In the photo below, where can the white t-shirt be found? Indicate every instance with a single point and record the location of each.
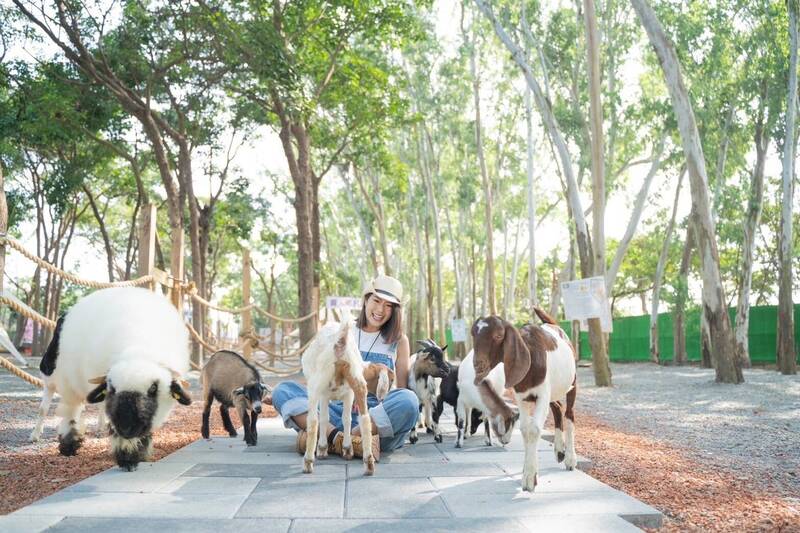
(374, 348)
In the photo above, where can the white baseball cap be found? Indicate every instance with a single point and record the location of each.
(385, 287)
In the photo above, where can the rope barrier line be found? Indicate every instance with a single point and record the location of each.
(279, 371)
(27, 312)
(281, 319)
(144, 280)
(11, 367)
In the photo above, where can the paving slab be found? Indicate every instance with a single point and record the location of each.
(27, 524)
(314, 498)
(221, 484)
(132, 505)
(147, 525)
(537, 524)
(399, 498)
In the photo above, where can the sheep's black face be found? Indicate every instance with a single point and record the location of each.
(131, 413)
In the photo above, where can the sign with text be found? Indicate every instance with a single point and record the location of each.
(345, 302)
(586, 298)
(458, 326)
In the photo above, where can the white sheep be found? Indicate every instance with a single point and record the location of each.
(469, 399)
(129, 348)
(333, 369)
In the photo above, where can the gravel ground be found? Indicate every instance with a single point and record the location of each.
(751, 430)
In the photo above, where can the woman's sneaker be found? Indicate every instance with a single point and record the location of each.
(358, 446)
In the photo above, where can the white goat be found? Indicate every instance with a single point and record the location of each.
(129, 348)
(469, 399)
(333, 369)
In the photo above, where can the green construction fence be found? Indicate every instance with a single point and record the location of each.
(630, 340)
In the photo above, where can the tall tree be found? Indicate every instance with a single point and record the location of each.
(727, 366)
(787, 363)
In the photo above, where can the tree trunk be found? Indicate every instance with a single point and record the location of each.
(531, 202)
(636, 214)
(437, 235)
(365, 233)
(681, 291)
(602, 370)
(662, 263)
(751, 222)
(787, 363)
(3, 226)
(714, 301)
(103, 233)
(487, 187)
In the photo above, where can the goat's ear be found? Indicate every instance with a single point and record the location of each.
(179, 393)
(341, 342)
(516, 356)
(238, 392)
(98, 380)
(98, 394)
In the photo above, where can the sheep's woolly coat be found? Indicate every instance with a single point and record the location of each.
(135, 331)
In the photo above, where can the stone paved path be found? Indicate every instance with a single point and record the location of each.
(222, 485)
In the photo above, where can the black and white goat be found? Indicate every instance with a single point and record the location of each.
(128, 347)
(233, 382)
(427, 367)
(448, 393)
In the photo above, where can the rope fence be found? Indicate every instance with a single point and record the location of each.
(291, 358)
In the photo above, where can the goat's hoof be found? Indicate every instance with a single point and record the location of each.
(233, 434)
(34, 438)
(429, 430)
(487, 442)
(413, 439)
(458, 445)
(322, 451)
(529, 482)
(308, 467)
(347, 453)
(437, 438)
(369, 466)
(571, 461)
(560, 457)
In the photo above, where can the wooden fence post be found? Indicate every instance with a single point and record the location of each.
(3, 225)
(247, 318)
(147, 242)
(176, 268)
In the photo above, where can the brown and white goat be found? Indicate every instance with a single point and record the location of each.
(333, 369)
(540, 366)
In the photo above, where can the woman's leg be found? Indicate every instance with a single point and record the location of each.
(290, 399)
(394, 418)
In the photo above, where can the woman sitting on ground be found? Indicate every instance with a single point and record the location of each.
(379, 334)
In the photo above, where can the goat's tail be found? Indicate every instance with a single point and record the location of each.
(544, 317)
(341, 336)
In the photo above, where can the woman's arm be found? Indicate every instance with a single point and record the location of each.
(401, 363)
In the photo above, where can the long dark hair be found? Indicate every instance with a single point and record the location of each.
(392, 330)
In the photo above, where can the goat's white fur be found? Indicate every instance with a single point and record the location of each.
(557, 383)
(132, 336)
(427, 389)
(319, 367)
(469, 398)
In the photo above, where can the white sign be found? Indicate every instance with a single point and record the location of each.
(458, 326)
(346, 302)
(586, 298)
